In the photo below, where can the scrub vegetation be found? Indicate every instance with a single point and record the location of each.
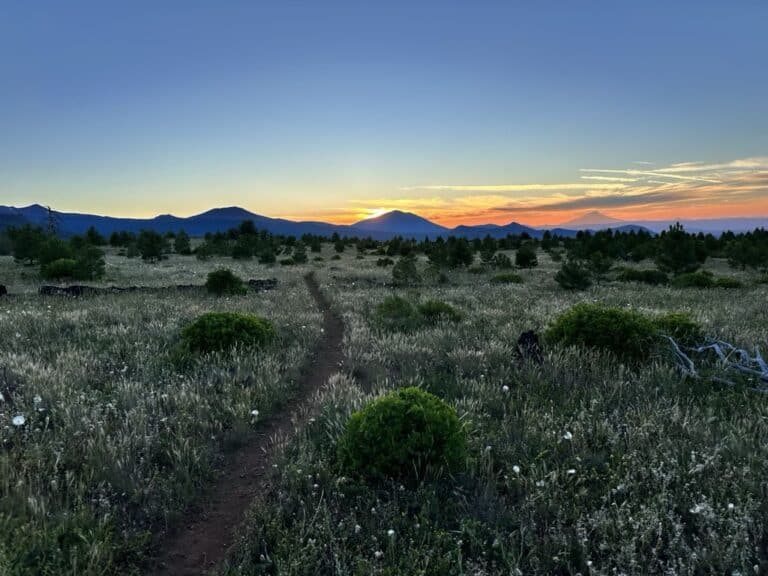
(435, 449)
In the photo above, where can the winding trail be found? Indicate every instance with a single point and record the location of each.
(204, 535)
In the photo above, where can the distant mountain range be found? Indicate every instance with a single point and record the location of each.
(395, 223)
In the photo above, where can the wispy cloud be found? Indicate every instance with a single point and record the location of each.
(683, 188)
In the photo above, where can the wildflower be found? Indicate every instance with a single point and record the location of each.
(487, 448)
(516, 469)
(731, 506)
(255, 413)
(571, 471)
(540, 483)
(391, 533)
(19, 420)
(358, 528)
(378, 554)
(505, 388)
(37, 399)
(568, 435)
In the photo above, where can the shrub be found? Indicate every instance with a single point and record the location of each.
(58, 269)
(727, 282)
(679, 326)
(704, 279)
(573, 276)
(224, 281)
(628, 334)
(433, 311)
(287, 262)
(526, 257)
(653, 277)
(476, 269)
(396, 313)
(501, 261)
(384, 262)
(408, 435)
(405, 273)
(217, 331)
(507, 278)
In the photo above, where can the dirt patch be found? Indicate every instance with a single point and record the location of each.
(203, 537)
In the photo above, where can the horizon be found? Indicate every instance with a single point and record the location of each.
(462, 114)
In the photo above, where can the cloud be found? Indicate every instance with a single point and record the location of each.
(685, 186)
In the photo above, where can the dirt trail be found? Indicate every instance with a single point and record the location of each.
(204, 536)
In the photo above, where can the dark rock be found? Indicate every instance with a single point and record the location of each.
(529, 348)
(263, 284)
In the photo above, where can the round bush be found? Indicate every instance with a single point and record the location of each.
(408, 435)
(433, 311)
(679, 326)
(507, 278)
(573, 276)
(224, 281)
(396, 313)
(217, 331)
(61, 268)
(628, 334)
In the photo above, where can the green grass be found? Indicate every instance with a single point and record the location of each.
(581, 465)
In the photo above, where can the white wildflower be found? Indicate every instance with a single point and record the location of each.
(505, 388)
(391, 533)
(568, 435)
(516, 469)
(19, 420)
(358, 528)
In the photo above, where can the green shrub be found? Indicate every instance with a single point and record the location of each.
(626, 333)
(702, 279)
(727, 282)
(405, 273)
(58, 269)
(630, 335)
(507, 278)
(679, 326)
(501, 261)
(287, 262)
(217, 331)
(573, 276)
(653, 277)
(384, 262)
(433, 311)
(476, 269)
(396, 313)
(224, 281)
(409, 435)
(526, 257)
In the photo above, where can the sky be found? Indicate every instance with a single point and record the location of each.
(463, 112)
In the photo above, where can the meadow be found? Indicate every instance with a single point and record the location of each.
(580, 464)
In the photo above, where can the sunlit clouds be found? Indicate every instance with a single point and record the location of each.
(642, 191)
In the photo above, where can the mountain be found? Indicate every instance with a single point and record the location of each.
(594, 220)
(395, 223)
(496, 231)
(400, 223)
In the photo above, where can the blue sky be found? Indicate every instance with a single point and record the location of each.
(469, 111)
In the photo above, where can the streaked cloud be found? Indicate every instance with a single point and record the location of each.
(736, 187)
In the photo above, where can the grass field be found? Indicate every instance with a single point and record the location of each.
(580, 465)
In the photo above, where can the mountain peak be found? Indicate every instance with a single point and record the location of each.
(399, 222)
(592, 218)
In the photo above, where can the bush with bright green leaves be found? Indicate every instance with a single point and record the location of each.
(507, 278)
(704, 279)
(679, 326)
(59, 269)
(219, 331)
(653, 277)
(434, 311)
(224, 282)
(398, 314)
(628, 334)
(408, 435)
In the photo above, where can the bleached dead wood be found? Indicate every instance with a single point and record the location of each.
(729, 359)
